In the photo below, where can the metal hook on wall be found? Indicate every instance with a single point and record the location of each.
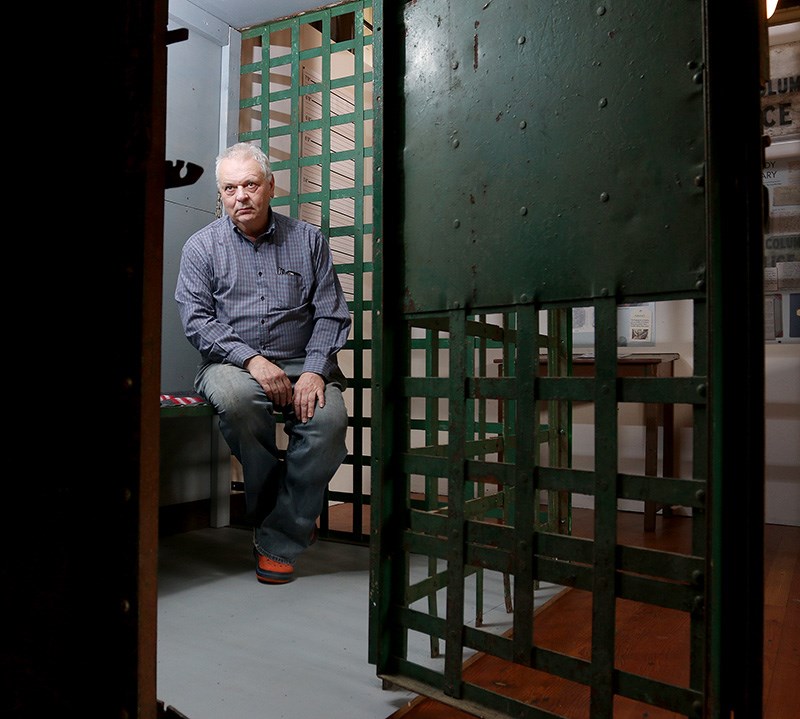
(175, 175)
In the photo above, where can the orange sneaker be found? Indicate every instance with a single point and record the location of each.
(271, 571)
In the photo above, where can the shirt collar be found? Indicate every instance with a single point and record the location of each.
(266, 236)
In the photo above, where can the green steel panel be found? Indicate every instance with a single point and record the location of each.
(534, 158)
(562, 131)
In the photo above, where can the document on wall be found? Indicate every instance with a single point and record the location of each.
(787, 276)
(782, 302)
(635, 325)
(773, 317)
(640, 324)
(781, 177)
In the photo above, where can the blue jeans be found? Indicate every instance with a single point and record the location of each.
(283, 498)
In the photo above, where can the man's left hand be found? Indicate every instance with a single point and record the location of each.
(308, 391)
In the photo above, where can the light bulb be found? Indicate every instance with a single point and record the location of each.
(771, 5)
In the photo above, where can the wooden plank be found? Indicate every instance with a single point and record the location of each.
(564, 623)
(781, 622)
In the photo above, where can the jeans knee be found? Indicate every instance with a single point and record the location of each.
(333, 419)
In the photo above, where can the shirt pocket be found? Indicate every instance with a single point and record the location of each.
(288, 292)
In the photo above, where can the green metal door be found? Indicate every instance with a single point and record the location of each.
(538, 163)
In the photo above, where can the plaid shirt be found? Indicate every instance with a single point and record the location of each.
(279, 297)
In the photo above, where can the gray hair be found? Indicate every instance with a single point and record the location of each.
(246, 151)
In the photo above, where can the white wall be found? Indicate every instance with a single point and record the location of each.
(782, 434)
(196, 71)
(197, 112)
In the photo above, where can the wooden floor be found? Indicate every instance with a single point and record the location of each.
(556, 623)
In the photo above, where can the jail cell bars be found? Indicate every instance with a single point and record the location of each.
(479, 505)
(306, 97)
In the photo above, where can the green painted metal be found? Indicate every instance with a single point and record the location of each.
(532, 158)
(307, 100)
(536, 158)
(564, 118)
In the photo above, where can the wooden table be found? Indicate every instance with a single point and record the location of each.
(656, 415)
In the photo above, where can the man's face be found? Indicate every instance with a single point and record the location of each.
(245, 194)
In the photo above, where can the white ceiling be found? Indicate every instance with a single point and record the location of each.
(245, 13)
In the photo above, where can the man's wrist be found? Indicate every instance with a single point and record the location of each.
(246, 363)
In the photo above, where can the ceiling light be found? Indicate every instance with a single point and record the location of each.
(771, 5)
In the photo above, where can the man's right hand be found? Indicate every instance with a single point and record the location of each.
(272, 378)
